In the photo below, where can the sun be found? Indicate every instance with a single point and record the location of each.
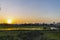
(9, 21)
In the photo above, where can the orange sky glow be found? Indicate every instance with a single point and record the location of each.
(28, 20)
(29, 11)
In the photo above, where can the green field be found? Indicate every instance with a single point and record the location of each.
(29, 35)
(23, 28)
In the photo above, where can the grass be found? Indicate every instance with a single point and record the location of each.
(32, 35)
(28, 34)
(53, 35)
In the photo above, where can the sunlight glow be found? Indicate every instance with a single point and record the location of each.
(9, 21)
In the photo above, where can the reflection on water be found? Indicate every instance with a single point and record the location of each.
(21, 28)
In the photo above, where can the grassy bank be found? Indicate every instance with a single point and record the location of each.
(29, 35)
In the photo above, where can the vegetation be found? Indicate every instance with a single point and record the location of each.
(29, 35)
(44, 34)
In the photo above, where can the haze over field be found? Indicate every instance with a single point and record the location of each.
(29, 11)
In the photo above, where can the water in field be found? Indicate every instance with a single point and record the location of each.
(21, 28)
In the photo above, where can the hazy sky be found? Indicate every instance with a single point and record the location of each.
(35, 10)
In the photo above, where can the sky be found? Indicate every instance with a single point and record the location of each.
(30, 11)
